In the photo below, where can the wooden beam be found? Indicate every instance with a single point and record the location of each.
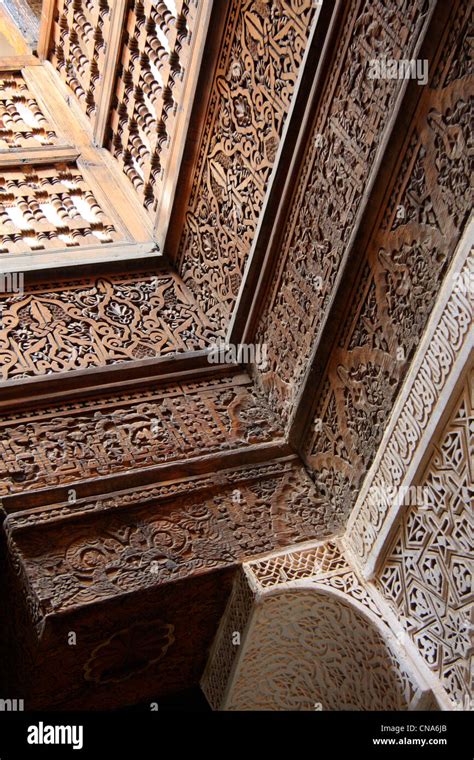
(66, 385)
(33, 156)
(17, 62)
(249, 472)
(47, 13)
(378, 186)
(281, 185)
(81, 256)
(107, 81)
(140, 477)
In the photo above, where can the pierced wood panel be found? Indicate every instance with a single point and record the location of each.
(251, 94)
(22, 122)
(50, 206)
(78, 46)
(93, 322)
(154, 58)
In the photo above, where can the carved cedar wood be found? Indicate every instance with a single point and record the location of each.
(154, 59)
(68, 441)
(173, 547)
(90, 322)
(444, 349)
(349, 125)
(49, 207)
(58, 193)
(131, 509)
(23, 123)
(252, 90)
(78, 45)
(400, 274)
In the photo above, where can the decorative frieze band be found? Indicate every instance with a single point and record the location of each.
(440, 358)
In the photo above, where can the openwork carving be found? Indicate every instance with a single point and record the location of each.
(304, 564)
(50, 206)
(22, 122)
(78, 46)
(311, 650)
(322, 563)
(71, 561)
(426, 385)
(427, 573)
(116, 432)
(154, 58)
(406, 262)
(94, 322)
(254, 83)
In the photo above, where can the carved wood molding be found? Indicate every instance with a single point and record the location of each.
(164, 554)
(111, 433)
(396, 276)
(173, 531)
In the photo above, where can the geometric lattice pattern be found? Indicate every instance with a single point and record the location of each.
(428, 571)
(297, 565)
(78, 46)
(22, 123)
(49, 206)
(153, 63)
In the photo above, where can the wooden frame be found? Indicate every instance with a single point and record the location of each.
(109, 75)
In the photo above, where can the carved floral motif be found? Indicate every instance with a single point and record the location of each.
(95, 322)
(117, 432)
(261, 53)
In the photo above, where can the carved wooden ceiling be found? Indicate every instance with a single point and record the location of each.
(174, 173)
